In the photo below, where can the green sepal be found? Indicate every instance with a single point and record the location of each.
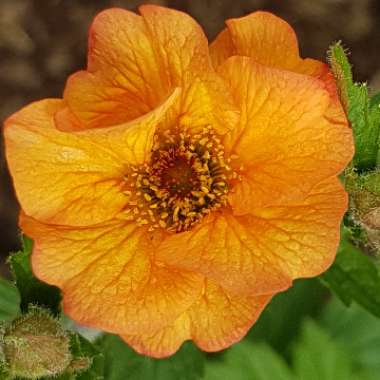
(32, 290)
(88, 361)
(341, 69)
(364, 119)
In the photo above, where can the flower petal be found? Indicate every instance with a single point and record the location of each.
(271, 41)
(222, 48)
(163, 343)
(224, 250)
(134, 62)
(182, 47)
(206, 101)
(217, 320)
(179, 42)
(108, 278)
(268, 39)
(74, 178)
(123, 79)
(284, 141)
(263, 252)
(300, 239)
(220, 319)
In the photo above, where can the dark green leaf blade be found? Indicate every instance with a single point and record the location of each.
(246, 360)
(32, 290)
(375, 112)
(354, 276)
(316, 356)
(281, 320)
(9, 300)
(375, 100)
(121, 362)
(364, 124)
(358, 332)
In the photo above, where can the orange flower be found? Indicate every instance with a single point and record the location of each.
(171, 195)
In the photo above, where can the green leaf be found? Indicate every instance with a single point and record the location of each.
(375, 100)
(364, 119)
(365, 123)
(281, 320)
(9, 300)
(357, 331)
(32, 291)
(121, 362)
(354, 276)
(249, 361)
(318, 354)
(317, 357)
(4, 374)
(375, 109)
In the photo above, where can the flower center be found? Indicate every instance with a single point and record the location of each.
(186, 179)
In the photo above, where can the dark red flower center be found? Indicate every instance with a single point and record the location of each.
(187, 177)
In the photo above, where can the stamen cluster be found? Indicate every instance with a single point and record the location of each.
(187, 177)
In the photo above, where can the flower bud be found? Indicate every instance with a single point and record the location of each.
(35, 345)
(364, 193)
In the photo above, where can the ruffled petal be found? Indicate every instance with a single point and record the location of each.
(220, 318)
(108, 278)
(215, 321)
(266, 38)
(224, 250)
(182, 48)
(75, 178)
(222, 48)
(285, 142)
(163, 343)
(180, 45)
(134, 62)
(271, 41)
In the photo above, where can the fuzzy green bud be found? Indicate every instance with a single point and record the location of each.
(35, 345)
(364, 193)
